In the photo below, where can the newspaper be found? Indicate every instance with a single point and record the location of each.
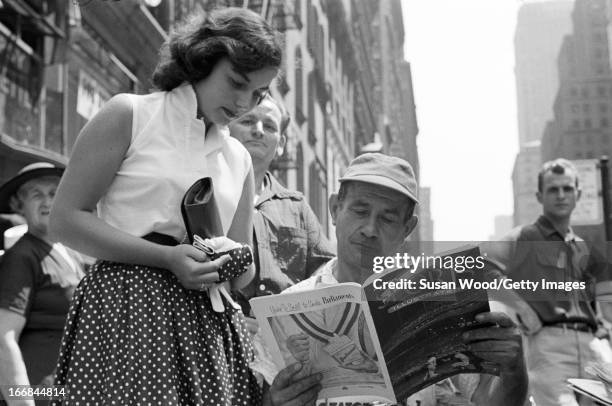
(373, 344)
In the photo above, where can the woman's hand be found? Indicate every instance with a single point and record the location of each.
(192, 267)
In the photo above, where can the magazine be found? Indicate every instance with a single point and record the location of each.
(592, 389)
(379, 344)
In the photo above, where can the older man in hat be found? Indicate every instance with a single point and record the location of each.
(373, 213)
(37, 279)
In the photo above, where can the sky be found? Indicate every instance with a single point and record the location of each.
(462, 58)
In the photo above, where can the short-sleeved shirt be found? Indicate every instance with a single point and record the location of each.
(37, 281)
(290, 242)
(538, 252)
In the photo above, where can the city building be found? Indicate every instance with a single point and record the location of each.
(581, 128)
(60, 63)
(502, 226)
(525, 184)
(540, 29)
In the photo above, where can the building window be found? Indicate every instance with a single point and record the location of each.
(603, 107)
(573, 91)
(575, 108)
(605, 138)
(588, 123)
(575, 124)
(585, 92)
(586, 107)
(604, 123)
(20, 90)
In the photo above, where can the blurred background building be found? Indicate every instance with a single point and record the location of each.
(344, 81)
(576, 122)
(540, 29)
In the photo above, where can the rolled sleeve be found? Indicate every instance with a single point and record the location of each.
(17, 283)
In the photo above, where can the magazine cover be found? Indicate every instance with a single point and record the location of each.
(329, 330)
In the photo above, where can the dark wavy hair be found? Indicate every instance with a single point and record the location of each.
(196, 45)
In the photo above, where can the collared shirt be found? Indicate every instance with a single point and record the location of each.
(290, 242)
(170, 150)
(540, 253)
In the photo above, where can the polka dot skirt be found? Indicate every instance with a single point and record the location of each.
(135, 336)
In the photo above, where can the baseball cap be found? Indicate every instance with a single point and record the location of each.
(383, 170)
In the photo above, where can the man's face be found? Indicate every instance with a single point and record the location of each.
(559, 195)
(370, 221)
(36, 197)
(259, 132)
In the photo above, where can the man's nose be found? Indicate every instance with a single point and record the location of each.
(257, 130)
(48, 200)
(369, 229)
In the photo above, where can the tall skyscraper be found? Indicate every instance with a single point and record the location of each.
(582, 126)
(540, 28)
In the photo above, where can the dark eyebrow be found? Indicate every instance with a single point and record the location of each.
(242, 75)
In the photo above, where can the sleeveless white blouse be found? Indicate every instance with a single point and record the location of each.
(167, 154)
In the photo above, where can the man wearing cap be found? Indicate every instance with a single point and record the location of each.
(37, 279)
(373, 213)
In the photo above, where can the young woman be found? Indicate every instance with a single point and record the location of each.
(140, 329)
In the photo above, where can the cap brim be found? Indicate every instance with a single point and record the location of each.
(381, 181)
(10, 188)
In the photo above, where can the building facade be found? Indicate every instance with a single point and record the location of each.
(581, 128)
(525, 184)
(540, 29)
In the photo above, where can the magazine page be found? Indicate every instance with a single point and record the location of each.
(329, 330)
(420, 314)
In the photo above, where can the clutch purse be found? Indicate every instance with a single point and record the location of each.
(241, 255)
(200, 212)
(205, 232)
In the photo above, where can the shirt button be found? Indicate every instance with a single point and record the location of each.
(262, 287)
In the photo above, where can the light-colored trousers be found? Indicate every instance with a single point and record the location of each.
(555, 354)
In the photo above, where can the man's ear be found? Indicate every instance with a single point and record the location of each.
(334, 207)
(539, 196)
(15, 204)
(410, 225)
(280, 147)
(578, 194)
